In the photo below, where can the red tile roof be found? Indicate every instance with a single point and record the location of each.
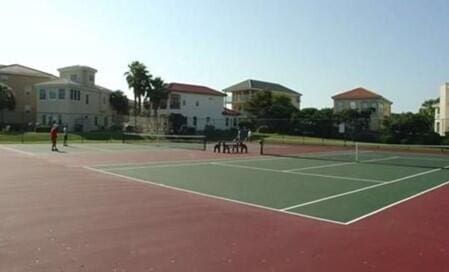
(230, 112)
(358, 93)
(193, 89)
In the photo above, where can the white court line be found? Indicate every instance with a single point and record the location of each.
(158, 166)
(18, 151)
(214, 196)
(179, 163)
(340, 164)
(299, 173)
(319, 166)
(248, 158)
(359, 190)
(397, 203)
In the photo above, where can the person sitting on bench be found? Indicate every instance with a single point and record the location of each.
(217, 147)
(243, 147)
(225, 147)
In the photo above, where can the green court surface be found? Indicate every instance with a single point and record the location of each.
(338, 192)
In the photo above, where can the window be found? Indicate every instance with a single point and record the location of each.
(96, 120)
(87, 99)
(175, 101)
(104, 100)
(227, 121)
(42, 94)
(438, 127)
(44, 119)
(106, 122)
(194, 121)
(91, 78)
(381, 107)
(235, 122)
(365, 105)
(197, 103)
(61, 94)
(74, 77)
(437, 110)
(75, 95)
(52, 94)
(207, 119)
(59, 119)
(183, 102)
(352, 105)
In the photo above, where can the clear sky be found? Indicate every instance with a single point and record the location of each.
(398, 48)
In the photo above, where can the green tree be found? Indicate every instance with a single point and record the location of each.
(7, 100)
(427, 108)
(138, 79)
(271, 110)
(409, 128)
(119, 102)
(157, 93)
(314, 122)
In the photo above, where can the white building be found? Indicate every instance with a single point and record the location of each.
(442, 111)
(201, 105)
(74, 100)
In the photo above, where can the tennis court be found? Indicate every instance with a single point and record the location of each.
(326, 186)
(168, 206)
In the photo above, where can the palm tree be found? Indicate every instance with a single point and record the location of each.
(157, 93)
(7, 100)
(138, 78)
(119, 102)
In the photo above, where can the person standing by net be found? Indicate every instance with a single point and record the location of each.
(66, 135)
(54, 137)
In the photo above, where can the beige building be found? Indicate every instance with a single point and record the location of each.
(72, 99)
(242, 92)
(361, 99)
(22, 80)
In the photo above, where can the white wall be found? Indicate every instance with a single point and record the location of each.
(203, 107)
(443, 118)
(72, 112)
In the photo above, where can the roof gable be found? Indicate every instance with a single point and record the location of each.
(17, 69)
(260, 85)
(358, 93)
(193, 89)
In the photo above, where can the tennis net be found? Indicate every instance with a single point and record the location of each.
(422, 156)
(195, 142)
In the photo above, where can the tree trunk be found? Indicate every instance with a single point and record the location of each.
(139, 98)
(135, 111)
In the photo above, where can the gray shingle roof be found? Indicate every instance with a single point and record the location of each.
(260, 85)
(64, 81)
(17, 69)
(76, 67)
(58, 81)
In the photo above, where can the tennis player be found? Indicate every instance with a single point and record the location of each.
(54, 137)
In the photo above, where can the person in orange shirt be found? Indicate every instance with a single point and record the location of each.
(54, 137)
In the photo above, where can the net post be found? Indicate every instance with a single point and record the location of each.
(261, 146)
(204, 144)
(356, 152)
